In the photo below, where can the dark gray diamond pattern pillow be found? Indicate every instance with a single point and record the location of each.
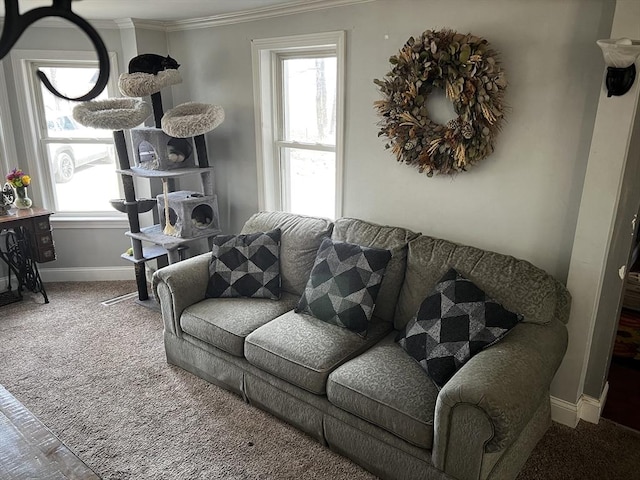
(454, 322)
(344, 283)
(246, 265)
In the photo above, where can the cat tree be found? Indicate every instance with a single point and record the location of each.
(165, 152)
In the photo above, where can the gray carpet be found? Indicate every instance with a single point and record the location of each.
(97, 377)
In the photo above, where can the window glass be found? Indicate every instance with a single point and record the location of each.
(310, 182)
(81, 160)
(309, 100)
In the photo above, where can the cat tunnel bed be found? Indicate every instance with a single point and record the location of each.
(192, 119)
(112, 114)
(139, 84)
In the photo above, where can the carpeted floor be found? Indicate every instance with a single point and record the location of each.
(97, 377)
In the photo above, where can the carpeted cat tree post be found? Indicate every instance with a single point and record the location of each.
(119, 114)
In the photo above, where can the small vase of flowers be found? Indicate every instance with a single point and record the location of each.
(20, 181)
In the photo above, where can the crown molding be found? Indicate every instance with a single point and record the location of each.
(124, 23)
(300, 6)
(294, 7)
(55, 22)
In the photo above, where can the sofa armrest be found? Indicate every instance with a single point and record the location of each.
(486, 405)
(180, 285)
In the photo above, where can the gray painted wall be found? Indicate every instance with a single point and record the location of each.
(87, 250)
(523, 200)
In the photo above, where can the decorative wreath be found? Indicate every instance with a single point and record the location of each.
(468, 70)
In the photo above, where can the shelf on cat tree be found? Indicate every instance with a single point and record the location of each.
(155, 235)
(146, 173)
(148, 253)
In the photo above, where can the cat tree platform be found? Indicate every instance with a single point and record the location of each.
(192, 119)
(112, 114)
(140, 84)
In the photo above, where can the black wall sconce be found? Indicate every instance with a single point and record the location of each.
(15, 25)
(620, 57)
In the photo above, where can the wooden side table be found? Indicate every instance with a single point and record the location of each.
(27, 241)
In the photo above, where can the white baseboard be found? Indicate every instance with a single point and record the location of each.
(564, 412)
(588, 409)
(84, 274)
(591, 408)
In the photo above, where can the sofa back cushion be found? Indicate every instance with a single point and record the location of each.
(300, 239)
(394, 239)
(517, 284)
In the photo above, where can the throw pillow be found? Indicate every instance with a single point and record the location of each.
(245, 265)
(454, 322)
(344, 283)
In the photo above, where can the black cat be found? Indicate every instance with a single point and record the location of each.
(151, 63)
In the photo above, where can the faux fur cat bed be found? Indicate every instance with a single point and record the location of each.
(112, 114)
(139, 84)
(191, 119)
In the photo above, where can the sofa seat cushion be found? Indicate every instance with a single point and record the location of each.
(387, 388)
(304, 350)
(225, 322)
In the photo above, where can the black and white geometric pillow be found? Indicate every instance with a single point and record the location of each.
(453, 323)
(344, 283)
(245, 265)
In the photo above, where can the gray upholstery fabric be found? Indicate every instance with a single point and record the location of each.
(377, 456)
(517, 284)
(296, 412)
(469, 431)
(185, 354)
(179, 285)
(225, 322)
(506, 381)
(304, 350)
(301, 237)
(508, 464)
(345, 433)
(386, 387)
(563, 302)
(394, 239)
(503, 389)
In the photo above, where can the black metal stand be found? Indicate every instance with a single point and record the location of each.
(17, 254)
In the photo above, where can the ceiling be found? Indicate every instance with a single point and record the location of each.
(161, 10)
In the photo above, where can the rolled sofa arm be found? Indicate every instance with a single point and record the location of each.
(490, 400)
(180, 285)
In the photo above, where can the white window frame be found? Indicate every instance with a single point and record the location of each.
(23, 62)
(7, 142)
(266, 54)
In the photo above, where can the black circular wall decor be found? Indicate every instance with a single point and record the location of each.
(469, 72)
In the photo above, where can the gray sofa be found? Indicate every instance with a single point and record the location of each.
(366, 398)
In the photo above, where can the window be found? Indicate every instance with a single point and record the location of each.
(298, 84)
(75, 166)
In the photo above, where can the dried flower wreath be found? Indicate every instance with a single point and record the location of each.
(468, 70)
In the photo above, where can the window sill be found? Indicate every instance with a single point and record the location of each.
(65, 221)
